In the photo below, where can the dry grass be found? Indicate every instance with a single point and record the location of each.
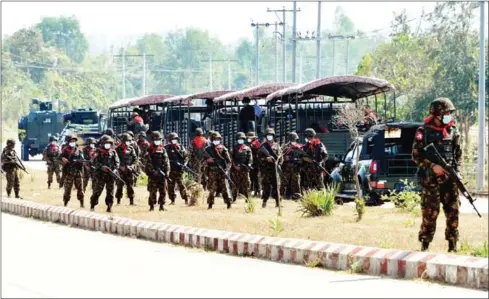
(379, 227)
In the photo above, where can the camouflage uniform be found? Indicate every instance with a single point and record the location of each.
(196, 150)
(50, 155)
(156, 161)
(269, 154)
(9, 165)
(434, 190)
(63, 146)
(217, 156)
(254, 144)
(315, 149)
(73, 171)
(177, 155)
(137, 170)
(127, 158)
(88, 152)
(370, 118)
(291, 168)
(242, 160)
(104, 159)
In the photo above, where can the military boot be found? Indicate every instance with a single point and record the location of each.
(452, 246)
(209, 206)
(8, 194)
(425, 245)
(131, 201)
(49, 185)
(228, 203)
(151, 208)
(109, 208)
(264, 204)
(92, 207)
(172, 202)
(162, 208)
(118, 201)
(81, 204)
(65, 202)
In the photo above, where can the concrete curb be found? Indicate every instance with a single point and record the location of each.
(463, 271)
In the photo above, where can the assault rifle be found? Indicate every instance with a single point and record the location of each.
(306, 155)
(111, 172)
(226, 174)
(452, 174)
(186, 168)
(278, 169)
(18, 163)
(163, 175)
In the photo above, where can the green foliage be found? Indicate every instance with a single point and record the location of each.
(142, 180)
(250, 205)
(276, 226)
(407, 200)
(359, 208)
(318, 202)
(474, 250)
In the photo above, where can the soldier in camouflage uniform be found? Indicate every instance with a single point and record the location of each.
(158, 170)
(63, 146)
(9, 165)
(316, 150)
(370, 118)
(50, 155)
(240, 172)
(88, 152)
(127, 158)
(254, 144)
(269, 154)
(291, 168)
(135, 146)
(105, 160)
(73, 171)
(178, 156)
(199, 143)
(436, 188)
(218, 160)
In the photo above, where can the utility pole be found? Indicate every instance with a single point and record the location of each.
(257, 44)
(144, 74)
(318, 43)
(123, 55)
(301, 38)
(229, 70)
(294, 42)
(334, 38)
(300, 67)
(123, 74)
(276, 52)
(347, 51)
(482, 97)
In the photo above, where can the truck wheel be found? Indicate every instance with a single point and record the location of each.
(25, 152)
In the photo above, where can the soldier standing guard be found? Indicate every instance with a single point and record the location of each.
(9, 165)
(157, 169)
(316, 151)
(270, 154)
(440, 130)
(240, 172)
(127, 158)
(73, 171)
(254, 144)
(217, 160)
(88, 152)
(105, 160)
(63, 146)
(197, 147)
(50, 155)
(135, 146)
(178, 156)
(292, 167)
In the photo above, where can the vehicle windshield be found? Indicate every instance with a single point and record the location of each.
(397, 142)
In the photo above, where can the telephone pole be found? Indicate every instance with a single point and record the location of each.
(318, 43)
(482, 97)
(294, 42)
(257, 44)
(210, 68)
(124, 55)
(144, 72)
(334, 38)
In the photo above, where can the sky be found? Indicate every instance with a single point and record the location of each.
(229, 21)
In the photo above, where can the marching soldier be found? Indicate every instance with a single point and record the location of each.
(178, 156)
(9, 165)
(440, 130)
(50, 155)
(316, 151)
(242, 161)
(88, 152)
(197, 147)
(143, 144)
(127, 158)
(291, 167)
(63, 146)
(72, 160)
(134, 145)
(217, 160)
(270, 155)
(158, 170)
(104, 162)
(254, 144)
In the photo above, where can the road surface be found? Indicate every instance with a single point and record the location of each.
(49, 260)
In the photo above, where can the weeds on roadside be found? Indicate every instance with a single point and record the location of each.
(356, 267)
(276, 226)
(250, 206)
(359, 208)
(474, 250)
(407, 200)
(318, 202)
(194, 189)
(142, 180)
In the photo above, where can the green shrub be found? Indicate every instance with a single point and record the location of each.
(276, 226)
(359, 208)
(250, 205)
(142, 180)
(318, 202)
(469, 249)
(406, 200)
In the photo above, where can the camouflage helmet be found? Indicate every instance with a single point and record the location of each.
(309, 132)
(90, 140)
(251, 134)
(156, 135)
(173, 135)
(240, 135)
(126, 137)
(216, 135)
(109, 132)
(210, 133)
(10, 141)
(53, 138)
(270, 131)
(441, 105)
(293, 136)
(106, 139)
(142, 134)
(71, 137)
(130, 133)
(199, 132)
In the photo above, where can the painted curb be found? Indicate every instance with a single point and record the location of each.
(465, 271)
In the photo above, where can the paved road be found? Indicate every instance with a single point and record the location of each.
(49, 260)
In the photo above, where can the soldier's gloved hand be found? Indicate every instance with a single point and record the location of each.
(307, 159)
(270, 159)
(65, 161)
(438, 170)
(122, 168)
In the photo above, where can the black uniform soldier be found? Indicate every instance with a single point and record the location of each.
(9, 165)
(218, 160)
(254, 144)
(50, 155)
(178, 157)
(270, 154)
(105, 161)
(292, 167)
(440, 130)
(127, 157)
(73, 171)
(240, 171)
(88, 152)
(158, 170)
(317, 152)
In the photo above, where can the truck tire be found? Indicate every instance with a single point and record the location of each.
(25, 152)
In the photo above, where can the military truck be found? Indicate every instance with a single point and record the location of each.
(36, 127)
(83, 123)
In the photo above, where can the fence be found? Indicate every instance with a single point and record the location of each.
(468, 171)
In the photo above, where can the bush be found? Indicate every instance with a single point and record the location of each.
(142, 180)
(276, 226)
(194, 189)
(407, 200)
(469, 249)
(250, 205)
(318, 202)
(359, 208)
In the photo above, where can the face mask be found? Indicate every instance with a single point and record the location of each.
(72, 144)
(157, 142)
(174, 141)
(247, 104)
(216, 142)
(128, 142)
(306, 139)
(107, 145)
(53, 142)
(269, 137)
(293, 143)
(446, 119)
(92, 145)
(240, 141)
(249, 140)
